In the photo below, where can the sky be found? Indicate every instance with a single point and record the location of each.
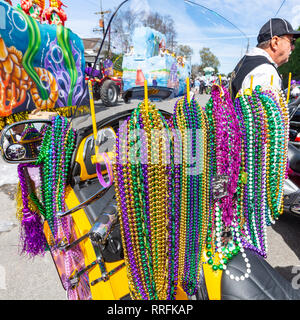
(227, 27)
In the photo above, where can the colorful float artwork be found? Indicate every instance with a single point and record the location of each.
(108, 67)
(41, 65)
(149, 60)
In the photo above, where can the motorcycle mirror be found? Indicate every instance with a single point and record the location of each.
(21, 141)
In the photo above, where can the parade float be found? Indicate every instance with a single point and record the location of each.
(41, 61)
(150, 60)
(147, 204)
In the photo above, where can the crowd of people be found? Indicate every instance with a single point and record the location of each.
(202, 84)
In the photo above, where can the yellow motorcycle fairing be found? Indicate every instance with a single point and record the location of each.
(117, 285)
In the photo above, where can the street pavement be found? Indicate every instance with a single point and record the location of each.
(22, 278)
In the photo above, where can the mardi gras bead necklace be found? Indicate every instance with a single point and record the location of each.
(264, 124)
(55, 156)
(191, 121)
(255, 162)
(143, 183)
(224, 235)
(278, 127)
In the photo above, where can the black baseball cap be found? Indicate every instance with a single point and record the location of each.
(276, 27)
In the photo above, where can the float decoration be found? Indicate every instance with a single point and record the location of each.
(34, 8)
(149, 60)
(55, 14)
(41, 66)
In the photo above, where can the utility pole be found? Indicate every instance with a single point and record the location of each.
(101, 20)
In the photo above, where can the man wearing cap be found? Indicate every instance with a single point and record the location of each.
(275, 42)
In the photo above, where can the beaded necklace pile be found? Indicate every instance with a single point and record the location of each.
(163, 198)
(197, 188)
(264, 119)
(225, 144)
(191, 122)
(53, 164)
(148, 204)
(55, 157)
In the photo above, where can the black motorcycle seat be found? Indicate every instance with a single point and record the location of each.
(294, 158)
(263, 283)
(294, 103)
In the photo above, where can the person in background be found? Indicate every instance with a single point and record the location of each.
(197, 85)
(295, 89)
(88, 71)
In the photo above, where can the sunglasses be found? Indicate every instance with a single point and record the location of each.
(292, 41)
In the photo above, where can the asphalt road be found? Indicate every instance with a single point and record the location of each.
(36, 279)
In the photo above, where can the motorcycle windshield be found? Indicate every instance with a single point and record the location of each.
(166, 43)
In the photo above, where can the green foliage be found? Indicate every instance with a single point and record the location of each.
(208, 59)
(184, 50)
(293, 65)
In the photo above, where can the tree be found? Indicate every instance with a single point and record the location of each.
(293, 65)
(163, 24)
(127, 20)
(208, 59)
(184, 50)
(124, 24)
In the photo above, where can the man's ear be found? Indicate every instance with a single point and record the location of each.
(274, 43)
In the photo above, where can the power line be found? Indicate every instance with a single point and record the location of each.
(282, 3)
(197, 4)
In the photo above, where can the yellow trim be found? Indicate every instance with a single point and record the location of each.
(289, 88)
(93, 114)
(146, 95)
(212, 280)
(188, 90)
(79, 159)
(251, 85)
(99, 159)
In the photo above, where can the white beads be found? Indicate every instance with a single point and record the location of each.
(245, 275)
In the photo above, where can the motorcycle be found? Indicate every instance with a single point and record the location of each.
(90, 261)
(294, 109)
(292, 183)
(99, 272)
